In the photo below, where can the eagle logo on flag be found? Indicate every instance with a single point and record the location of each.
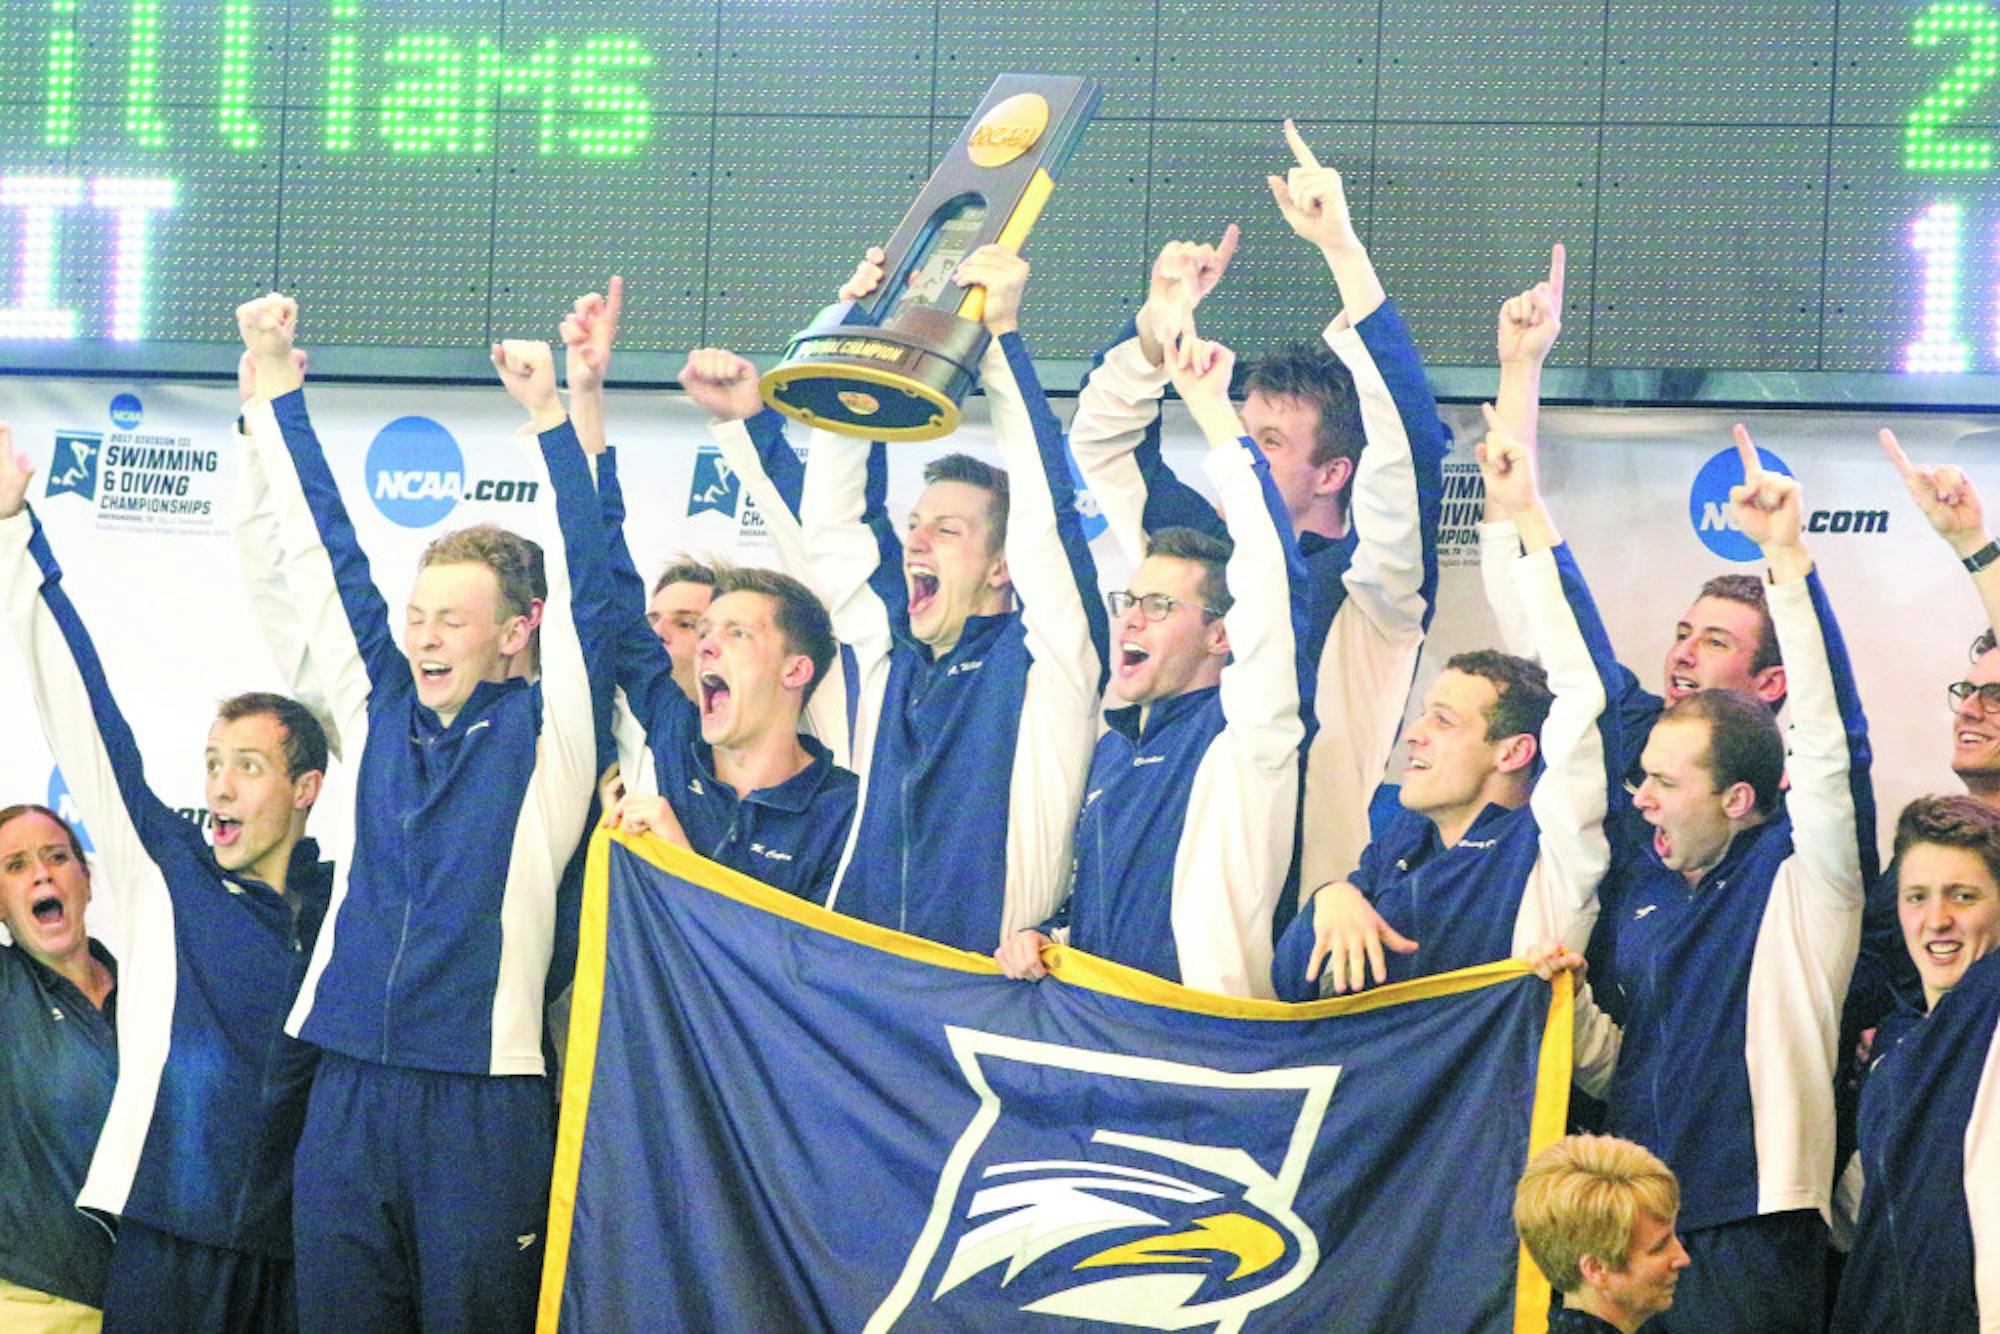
(1070, 1194)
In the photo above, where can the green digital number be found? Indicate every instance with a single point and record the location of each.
(1923, 147)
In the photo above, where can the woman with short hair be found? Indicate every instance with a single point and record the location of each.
(58, 1063)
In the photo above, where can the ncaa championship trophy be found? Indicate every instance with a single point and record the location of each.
(896, 365)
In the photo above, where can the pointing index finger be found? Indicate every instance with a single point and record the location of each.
(614, 300)
(1558, 265)
(1894, 449)
(1225, 250)
(1753, 467)
(1298, 145)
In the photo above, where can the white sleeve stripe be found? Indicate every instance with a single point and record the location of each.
(842, 549)
(1560, 898)
(125, 871)
(1499, 548)
(1387, 572)
(1052, 609)
(1118, 403)
(1821, 802)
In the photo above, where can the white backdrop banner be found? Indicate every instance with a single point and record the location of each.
(137, 484)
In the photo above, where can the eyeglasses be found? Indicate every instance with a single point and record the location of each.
(1961, 691)
(1155, 606)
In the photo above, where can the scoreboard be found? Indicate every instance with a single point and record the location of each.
(1788, 200)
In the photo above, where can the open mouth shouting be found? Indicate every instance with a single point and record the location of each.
(49, 911)
(1131, 656)
(923, 582)
(714, 695)
(225, 831)
(433, 673)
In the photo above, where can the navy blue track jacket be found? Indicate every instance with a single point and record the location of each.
(211, 1092)
(439, 940)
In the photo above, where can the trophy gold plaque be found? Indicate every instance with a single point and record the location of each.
(897, 364)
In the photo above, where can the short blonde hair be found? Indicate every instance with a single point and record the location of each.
(1581, 1196)
(515, 561)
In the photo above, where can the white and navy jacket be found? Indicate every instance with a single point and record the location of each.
(975, 762)
(1187, 828)
(773, 476)
(1370, 593)
(1927, 1244)
(1732, 989)
(1520, 876)
(440, 934)
(790, 835)
(211, 1093)
(1884, 976)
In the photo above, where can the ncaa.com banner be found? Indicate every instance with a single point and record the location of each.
(136, 484)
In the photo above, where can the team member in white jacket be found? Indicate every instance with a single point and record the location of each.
(1357, 452)
(973, 743)
(1486, 858)
(1736, 936)
(1187, 827)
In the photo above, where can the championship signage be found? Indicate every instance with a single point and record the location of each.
(896, 365)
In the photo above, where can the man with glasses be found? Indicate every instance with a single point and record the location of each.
(1187, 826)
(1951, 503)
(1356, 449)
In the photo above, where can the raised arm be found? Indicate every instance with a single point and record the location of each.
(1048, 556)
(1951, 504)
(1578, 740)
(1062, 615)
(1367, 655)
(854, 551)
(754, 445)
(1115, 432)
(1313, 200)
(91, 742)
(1529, 325)
(576, 652)
(261, 556)
(1241, 823)
(335, 603)
(1261, 686)
(640, 664)
(1831, 797)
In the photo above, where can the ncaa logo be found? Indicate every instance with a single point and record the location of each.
(415, 472)
(63, 804)
(1708, 503)
(126, 411)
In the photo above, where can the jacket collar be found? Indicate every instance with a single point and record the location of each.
(795, 794)
(1163, 714)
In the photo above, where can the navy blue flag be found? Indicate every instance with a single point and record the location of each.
(778, 1118)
